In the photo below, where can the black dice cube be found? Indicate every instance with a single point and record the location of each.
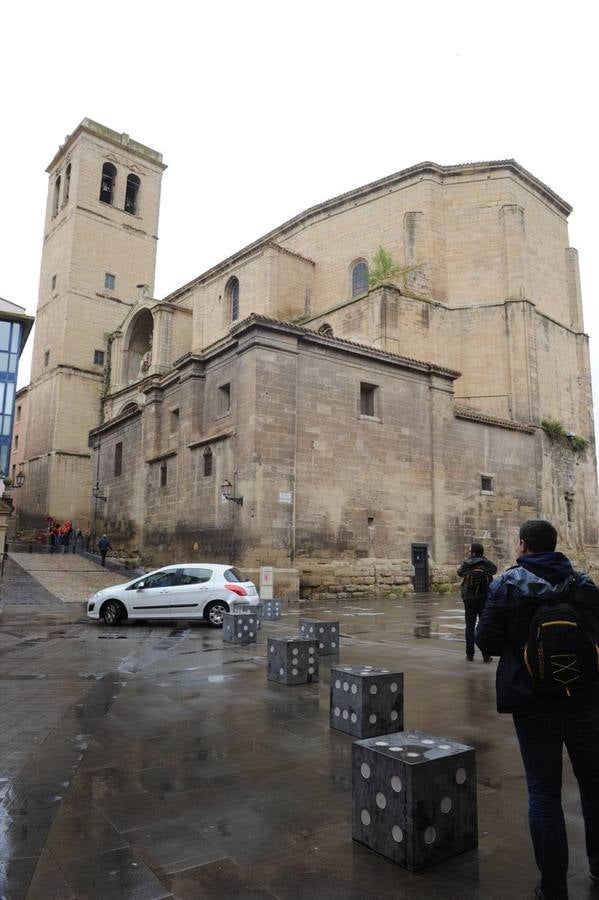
(270, 609)
(326, 633)
(414, 797)
(291, 660)
(366, 701)
(240, 628)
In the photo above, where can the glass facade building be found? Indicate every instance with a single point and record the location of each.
(15, 326)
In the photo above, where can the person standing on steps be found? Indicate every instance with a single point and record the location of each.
(477, 573)
(104, 546)
(542, 618)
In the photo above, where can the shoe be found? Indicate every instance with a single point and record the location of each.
(487, 659)
(469, 658)
(594, 876)
(539, 895)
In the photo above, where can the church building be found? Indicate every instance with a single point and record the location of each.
(283, 408)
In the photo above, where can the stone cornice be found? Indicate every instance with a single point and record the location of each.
(161, 456)
(465, 412)
(212, 438)
(122, 141)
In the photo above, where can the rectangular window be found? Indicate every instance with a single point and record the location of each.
(54, 282)
(163, 475)
(224, 399)
(19, 413)
(207, 462)
(16, 441)
(109, 281)
(368, 399)
(486, 483)
(118, 458)
(98, 357)
(174, 419)
(47, 358)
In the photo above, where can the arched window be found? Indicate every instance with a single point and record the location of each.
(56, 196)
(232, 294)
(67, 184)
(359, 279)
(131, 193)
(107, 183)
(326, 330)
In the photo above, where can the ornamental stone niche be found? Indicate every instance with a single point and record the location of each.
(138, 353)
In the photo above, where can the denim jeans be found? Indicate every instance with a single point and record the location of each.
(541, 737)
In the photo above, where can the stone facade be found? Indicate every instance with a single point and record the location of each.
(271, 372)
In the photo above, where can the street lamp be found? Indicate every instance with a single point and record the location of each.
(226, 490)
(20, 480)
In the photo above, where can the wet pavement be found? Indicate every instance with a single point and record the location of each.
(152, 761)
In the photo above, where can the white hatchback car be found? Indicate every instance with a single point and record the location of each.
(185, 591)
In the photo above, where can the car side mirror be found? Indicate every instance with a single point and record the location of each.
(141, 585)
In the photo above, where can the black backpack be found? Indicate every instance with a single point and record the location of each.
(476, 583)
(561, 652)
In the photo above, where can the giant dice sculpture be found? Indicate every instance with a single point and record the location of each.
(240, 628)
(326, 633)
(291, 660)
(414, 797)
(366, 701)
(270, 609)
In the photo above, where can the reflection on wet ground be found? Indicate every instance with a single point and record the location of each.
(178, 771)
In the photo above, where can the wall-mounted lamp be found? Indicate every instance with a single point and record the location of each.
(19, 480)
(226, 490)
(97, 492)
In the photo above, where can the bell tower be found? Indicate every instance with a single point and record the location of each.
(100, 236)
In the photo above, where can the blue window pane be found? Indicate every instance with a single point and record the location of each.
(2, 387)
(5, 424)
(3, 459)
(12, 362)
(359, 283)
(10, 398)
(16, 338)
(3, 362)
(4, 335)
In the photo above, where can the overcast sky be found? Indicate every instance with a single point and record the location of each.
(262, 109)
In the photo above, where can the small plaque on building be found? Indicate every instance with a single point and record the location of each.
(284, 496)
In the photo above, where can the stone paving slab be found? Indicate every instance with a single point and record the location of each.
(68, 576)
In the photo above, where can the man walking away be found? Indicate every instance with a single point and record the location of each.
(477, 572)
(104, 546)
(543, 618)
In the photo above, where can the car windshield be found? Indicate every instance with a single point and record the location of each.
(234, 575)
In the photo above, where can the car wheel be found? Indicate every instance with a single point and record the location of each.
(215, 612)
(113, 612)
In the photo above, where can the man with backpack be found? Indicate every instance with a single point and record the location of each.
(477, 572)
(542, 617)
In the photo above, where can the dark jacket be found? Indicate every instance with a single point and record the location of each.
(505, 622)
(104, 544)
(475, 562)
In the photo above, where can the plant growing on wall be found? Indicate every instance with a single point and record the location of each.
(557, 434)
(384, 270)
